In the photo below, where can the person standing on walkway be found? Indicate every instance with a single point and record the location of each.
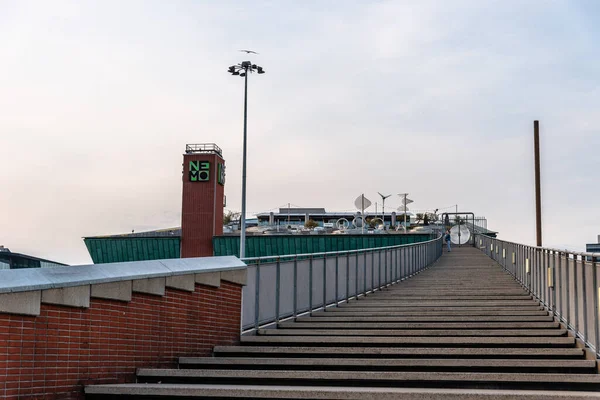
(447, 239)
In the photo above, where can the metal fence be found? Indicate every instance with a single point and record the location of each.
(565, 282)
(280, 287)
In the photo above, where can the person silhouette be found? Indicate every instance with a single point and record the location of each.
(447, 239)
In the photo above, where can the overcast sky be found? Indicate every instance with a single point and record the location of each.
(434, 98)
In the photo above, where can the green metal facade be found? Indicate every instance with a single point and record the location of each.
(275, 245)
(122, 249)
(107, 250)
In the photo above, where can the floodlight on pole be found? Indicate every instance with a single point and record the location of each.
(244, 69)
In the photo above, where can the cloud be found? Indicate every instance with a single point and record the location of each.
(433, 98)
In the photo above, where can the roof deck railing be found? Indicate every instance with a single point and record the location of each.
(565, 282)
(282, 287)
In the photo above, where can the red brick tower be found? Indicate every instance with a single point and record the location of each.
(203, 194)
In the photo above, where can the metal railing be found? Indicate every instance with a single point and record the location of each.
(280, 287)
(208, 148)
(565, 282)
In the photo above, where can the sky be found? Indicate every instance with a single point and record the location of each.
(431, 97)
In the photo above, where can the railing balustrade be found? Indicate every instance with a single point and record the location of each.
(565, 282)
(280, 287)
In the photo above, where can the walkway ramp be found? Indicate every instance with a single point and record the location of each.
(462, 329)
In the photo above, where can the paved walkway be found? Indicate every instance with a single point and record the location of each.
(461, 329)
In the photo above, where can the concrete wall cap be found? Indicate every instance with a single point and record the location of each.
(22, 280)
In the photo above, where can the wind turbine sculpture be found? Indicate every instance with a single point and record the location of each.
(383, 207)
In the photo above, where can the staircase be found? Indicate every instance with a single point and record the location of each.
(461, 329)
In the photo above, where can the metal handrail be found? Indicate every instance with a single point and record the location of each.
(547, 275)
(579, 253)
(325, 253)
(319, 280)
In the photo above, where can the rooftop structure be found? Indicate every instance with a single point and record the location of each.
(10, 260)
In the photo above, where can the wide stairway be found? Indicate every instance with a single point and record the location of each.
(462, 329)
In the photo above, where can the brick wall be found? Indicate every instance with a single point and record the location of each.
(53, 355)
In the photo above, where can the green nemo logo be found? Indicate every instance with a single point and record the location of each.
(199, 171)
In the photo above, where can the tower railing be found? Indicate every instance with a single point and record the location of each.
(203, 148)
(564, 282)
(282, 287)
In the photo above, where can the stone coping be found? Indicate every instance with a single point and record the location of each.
(32, 279)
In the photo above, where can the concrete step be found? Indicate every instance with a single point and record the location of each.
(404, 291)
(455, 304)
(361, 364)
(187, 391)
(380, 319)
(442, 302)
(358, 306)
(412, 332)
(417, 325)
(430, 278)
(391, 312)
(399, 352)
(467, 341)
(445, 297)
(377, 378)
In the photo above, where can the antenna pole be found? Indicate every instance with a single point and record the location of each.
(538, 189)
(362, 215)
(405, 212)
(383, 213)
(458, 220)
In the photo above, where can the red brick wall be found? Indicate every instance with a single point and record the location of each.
(201, 209)
(53, 355)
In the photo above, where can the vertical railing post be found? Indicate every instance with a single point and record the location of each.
(356, 277)
(528, 269)
(558, 257)
(337, 293)
(365, 272)
(585, 337)
(379, 269)
(324, 281)
(397, 268)
(554, 281)
(413, 261)
(277, 289)
(347, 278)
(548, 275)
(257, 296)
(295, 286)
(575, 298)
(310, 285)
(403, 266)
(372, 272)
(595, 299)
(568, 285)
(385, 270)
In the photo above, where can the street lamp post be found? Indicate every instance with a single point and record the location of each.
(243, 70)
